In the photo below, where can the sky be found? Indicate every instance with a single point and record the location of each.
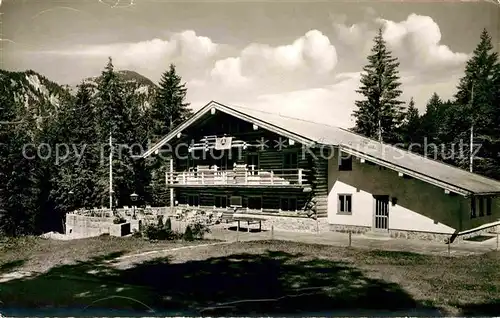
(299, 58)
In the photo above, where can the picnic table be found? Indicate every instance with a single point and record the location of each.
(249, 220)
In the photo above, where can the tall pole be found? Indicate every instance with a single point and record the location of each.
(471, 146)
(379, 131)
(110, 172)
(471, 129)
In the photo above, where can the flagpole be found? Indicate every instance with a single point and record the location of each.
(110, 172)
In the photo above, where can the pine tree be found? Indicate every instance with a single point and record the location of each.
(169, 110)
(380, 112)
(477, 99)
(170, 107)
(138, 137)
(411, 127)
(77, 175)
(18, 189)
(432, 117)
(114, 120)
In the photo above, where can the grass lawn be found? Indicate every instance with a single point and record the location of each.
(38, 254)
(246, 278)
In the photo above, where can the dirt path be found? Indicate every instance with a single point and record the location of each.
(130, 260)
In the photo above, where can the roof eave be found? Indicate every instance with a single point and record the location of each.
(228, 110)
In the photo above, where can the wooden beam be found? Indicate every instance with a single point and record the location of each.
(212, 111)
(255, 127)
(362, 160)
(291, 142)
(446, 191)
(179, 135)
(400, 174)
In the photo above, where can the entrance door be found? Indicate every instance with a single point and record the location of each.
(381, 213)
(252, 161)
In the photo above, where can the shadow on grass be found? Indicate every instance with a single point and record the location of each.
(10, 266)
(490, 309)
(273, 283)
(246, 229)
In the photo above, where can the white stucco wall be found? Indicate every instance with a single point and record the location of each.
(419, 206)
(400, 218)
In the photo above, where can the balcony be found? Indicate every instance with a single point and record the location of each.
(283, 178)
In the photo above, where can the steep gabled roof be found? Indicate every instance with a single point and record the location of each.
(311, 133)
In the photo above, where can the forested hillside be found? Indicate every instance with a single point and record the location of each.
(54, 143)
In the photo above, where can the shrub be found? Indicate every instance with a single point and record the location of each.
(155, 232)
(168, 225)
(199, 230)
(188, 234)
(136, 233)
(160, 221)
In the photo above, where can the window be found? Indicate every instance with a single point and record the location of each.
(345, 162)
(288, 204)
(193, 200)
(290, 160)
(220, 201)
(236, 200)
(473, 208)
(345, 203)
(483, 206)
(254, 203)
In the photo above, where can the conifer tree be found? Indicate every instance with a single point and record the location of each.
(379, 115)
(477, 99)
(169, 109)
(18, 189)
(114, 120)
(411, 127)
(77, 174)
(432, 117)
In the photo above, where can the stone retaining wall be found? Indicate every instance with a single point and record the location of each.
(295, 224)
(415, 235)
(87, 226)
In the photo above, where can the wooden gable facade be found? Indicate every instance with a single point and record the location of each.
(220, 162)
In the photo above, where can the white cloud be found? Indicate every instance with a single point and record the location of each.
(416, 42)
(228, 72)
(312, 55)
(184, 47)
(334, 104)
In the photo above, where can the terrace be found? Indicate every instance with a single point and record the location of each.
(240, 175)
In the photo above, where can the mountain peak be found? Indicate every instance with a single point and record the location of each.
(128, 75)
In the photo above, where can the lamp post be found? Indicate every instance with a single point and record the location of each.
(71, 206)
(134, 197)
(70, 195)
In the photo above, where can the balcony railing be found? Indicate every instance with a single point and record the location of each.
(281, 177)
